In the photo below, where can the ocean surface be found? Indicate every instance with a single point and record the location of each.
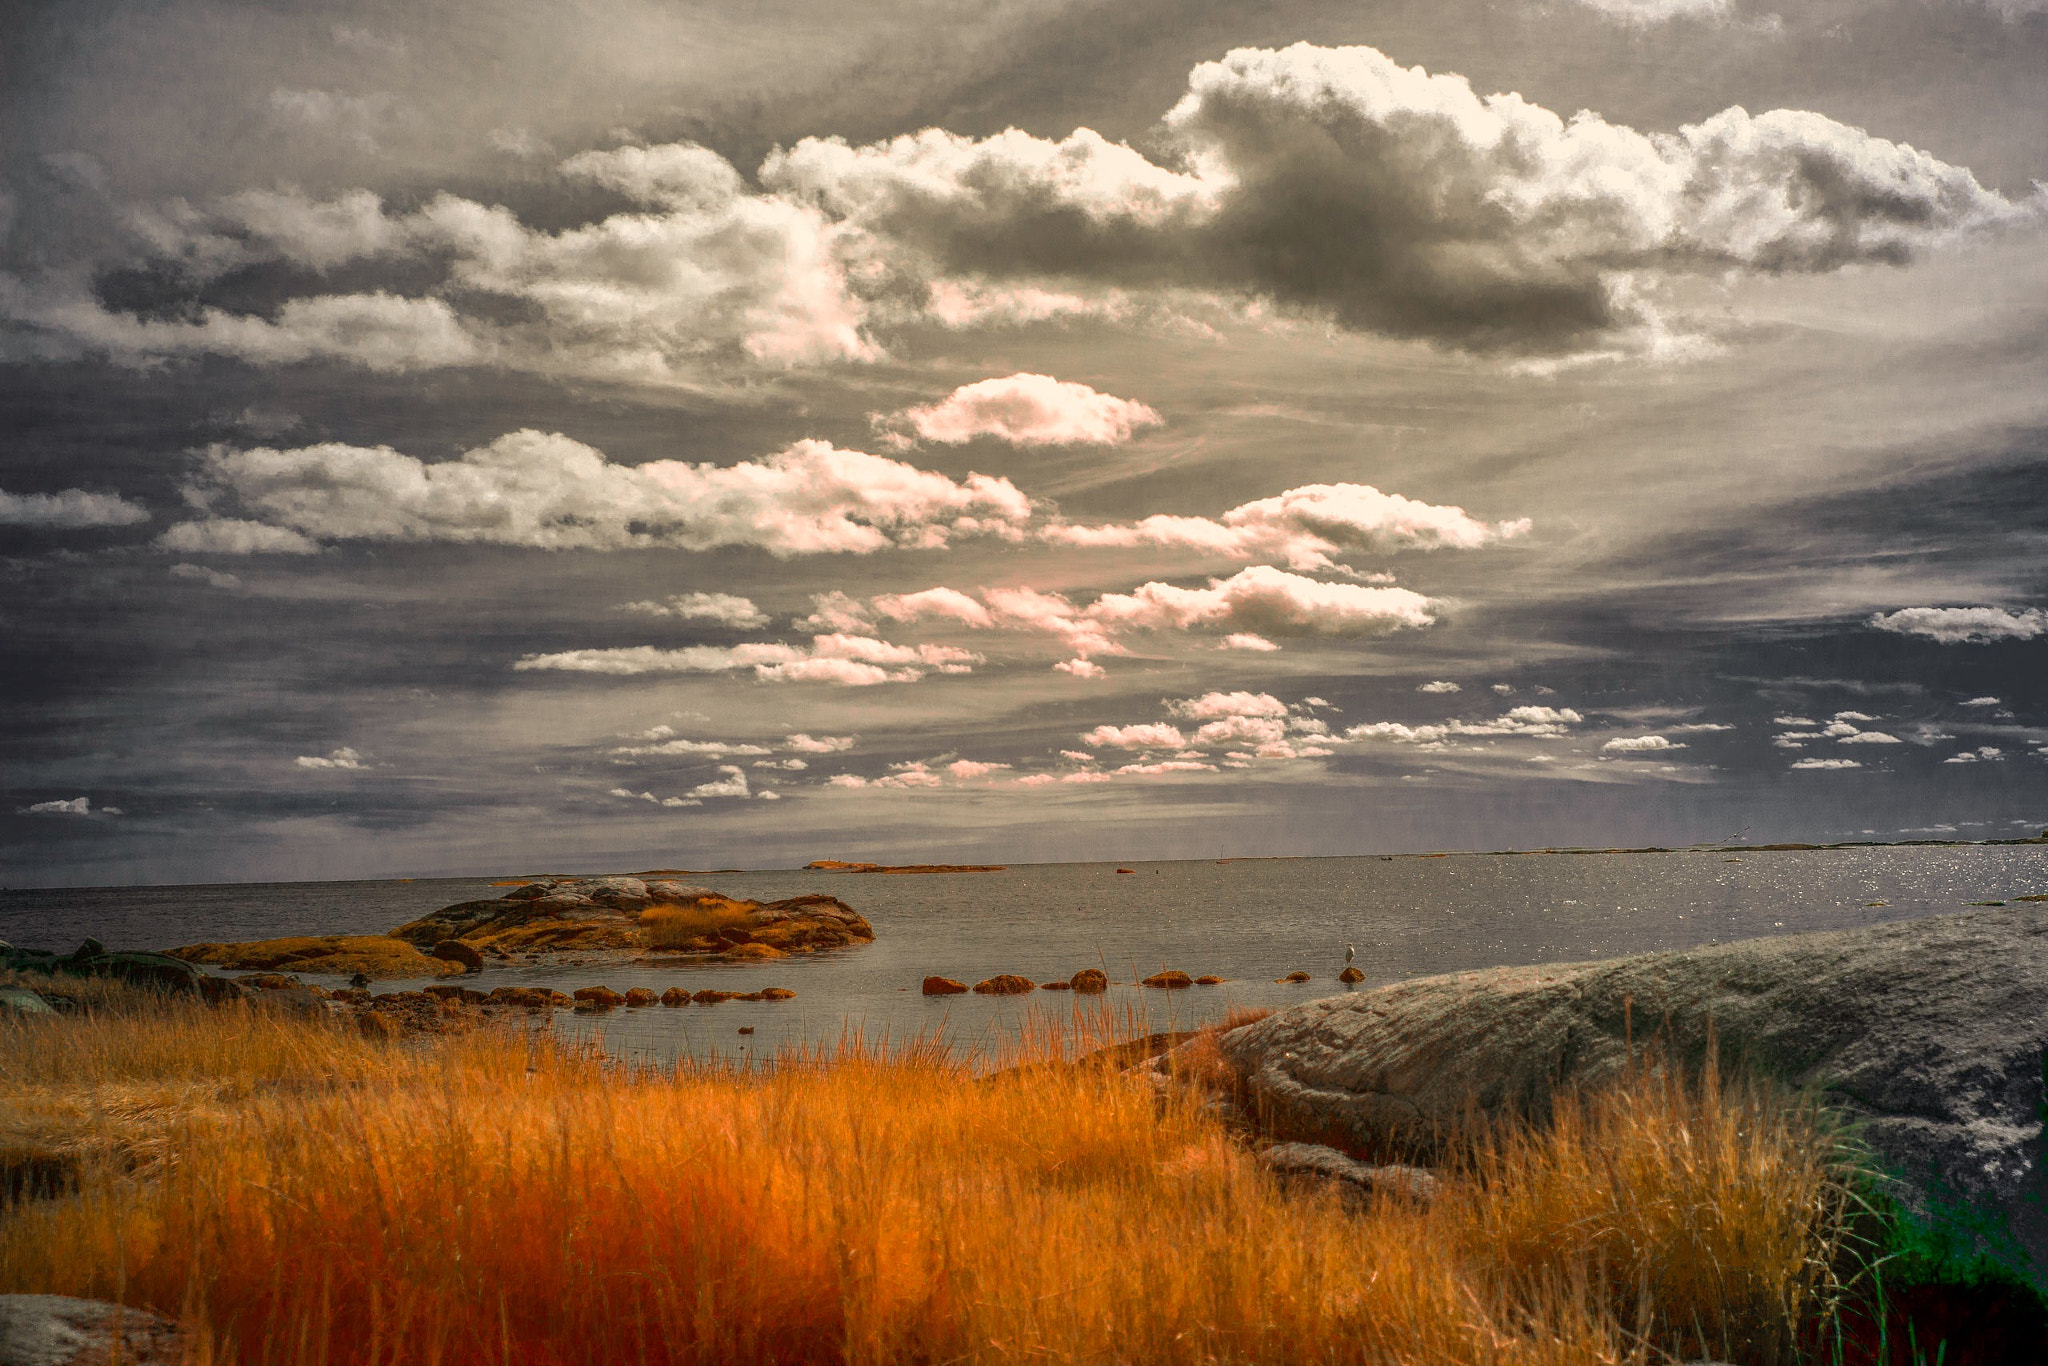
(1248, 920)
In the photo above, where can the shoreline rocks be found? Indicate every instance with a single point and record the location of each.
(1005, 984)
(58, 1330)
(622, 918)
(1930, 1034)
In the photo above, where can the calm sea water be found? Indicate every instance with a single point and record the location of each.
(1249, 920)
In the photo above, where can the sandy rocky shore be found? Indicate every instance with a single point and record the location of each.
(1929, 1037)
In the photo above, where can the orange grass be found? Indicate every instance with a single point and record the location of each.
(497, 1199)
(672, 927)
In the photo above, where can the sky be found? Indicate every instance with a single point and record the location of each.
(450, 438)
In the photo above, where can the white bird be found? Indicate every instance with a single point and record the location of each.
(1350, 953)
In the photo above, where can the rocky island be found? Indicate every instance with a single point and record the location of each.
(605, 917)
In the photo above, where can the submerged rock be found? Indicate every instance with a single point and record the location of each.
(1208, 980)
(943, 986)
(1172, 980)
(598, 996)
(640, 996)
(1929, 1032)
(1005, 984)
(1296, 976)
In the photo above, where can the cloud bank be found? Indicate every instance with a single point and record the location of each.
(544, 490)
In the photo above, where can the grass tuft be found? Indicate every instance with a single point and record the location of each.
(495, 1198)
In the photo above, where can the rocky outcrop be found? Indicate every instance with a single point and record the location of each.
(1930, 1033)
(1313, 1162)
(57, 1330)
(379, 957)
(634, 915)
(455, 951)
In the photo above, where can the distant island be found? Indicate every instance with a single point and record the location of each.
(833, 865)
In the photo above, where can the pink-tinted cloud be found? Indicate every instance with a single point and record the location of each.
(1031, 410)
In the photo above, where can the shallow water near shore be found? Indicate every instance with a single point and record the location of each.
(1248, 920)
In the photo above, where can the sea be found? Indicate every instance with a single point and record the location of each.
(1250, 921)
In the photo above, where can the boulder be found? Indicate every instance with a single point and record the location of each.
(1296, 976)
(57, 1330)
(1055, 986)
(1350, 977)
(1005, 984)
(530, 998)
(1209, 980)
(712, 998)
(1315, 1162)
(1092, 981)
(598, 996)
(463, 996)
(776, 994)
(1173, 980)
(1930, 1033)
(943, 986)
(640, 996)
(675, 996)
(455, 951)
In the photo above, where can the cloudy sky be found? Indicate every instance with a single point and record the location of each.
(445, 437)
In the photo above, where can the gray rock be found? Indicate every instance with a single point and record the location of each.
(1930, 1032)
(56, 1330)
(1315, 1161)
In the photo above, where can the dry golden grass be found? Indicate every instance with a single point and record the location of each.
(379, 955)
(675, 927)
(500, 1200)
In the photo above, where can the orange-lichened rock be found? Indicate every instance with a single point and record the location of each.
(1090, 980)
(1005, 984)
(1172, 979)
(943, 986)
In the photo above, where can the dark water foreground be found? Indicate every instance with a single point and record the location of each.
(1249, 920)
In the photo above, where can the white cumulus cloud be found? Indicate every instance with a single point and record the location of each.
(1031, 410)
(1308, 527)
(336, 758)
(1964, 625)
(68, 510)
(544, 490)
(850, 661)
(726, 609)
(1639, 744)
(1826, 763)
